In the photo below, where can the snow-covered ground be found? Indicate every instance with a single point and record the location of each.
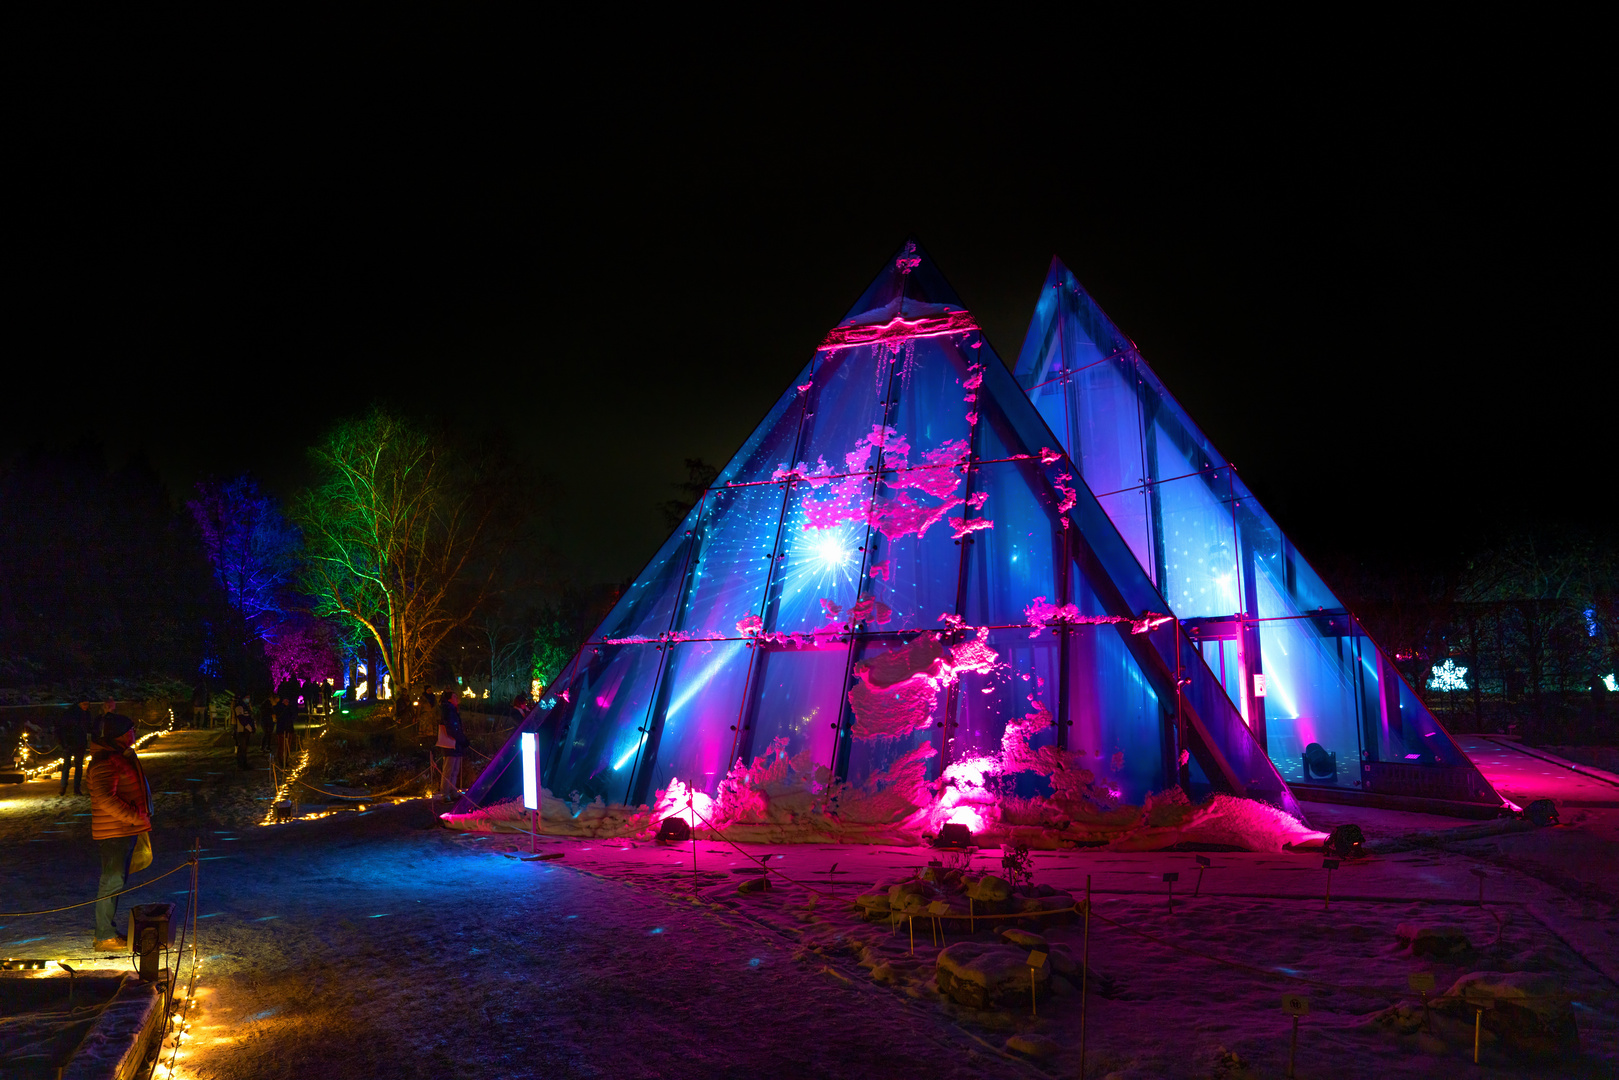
(381, 945)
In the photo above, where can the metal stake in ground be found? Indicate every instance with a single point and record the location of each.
(1202, 865)
(1037, 960)
(1478, 873)
(1329, 865)
(1478, 1025)
(1422, 982)
(1295, 1005)
(1170, 879)
(1084, 975)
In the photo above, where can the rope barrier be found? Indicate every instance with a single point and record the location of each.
(372, 795)
(97, 900)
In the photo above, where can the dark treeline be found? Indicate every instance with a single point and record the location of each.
(1531, 615)
(111, 584)
(101, 577)
(106, 586)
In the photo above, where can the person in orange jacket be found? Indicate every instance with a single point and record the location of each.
(120, 812)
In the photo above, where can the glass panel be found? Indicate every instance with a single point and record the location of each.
(927, 377)
(1200, 565)
(772, 443)
(1129, 512)
(1117, 728)
(1224, 657)
(916, 573)
(848, 384)
(1107, 426)
(699, 705)
(1016, 560)
(646, 606)
(985, 704)
(1252, 772)
(1312, 727)
(1295, 588)
(1051, 399)
(819, 563)
(597, 750)
(735, 538)
(799, 696)
(910, 710)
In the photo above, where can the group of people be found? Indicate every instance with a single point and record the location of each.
(452, 735)
(276, 718)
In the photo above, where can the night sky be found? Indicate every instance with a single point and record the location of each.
(1374, 292)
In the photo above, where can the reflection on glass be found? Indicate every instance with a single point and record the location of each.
(700, 704)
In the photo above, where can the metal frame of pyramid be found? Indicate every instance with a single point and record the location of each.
(896, 566)
(1335, 715)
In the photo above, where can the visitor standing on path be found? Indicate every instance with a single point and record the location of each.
(120, 819)
(450, 721)
(73, 735)
(286, 722)
(242, 729)
(267, 715)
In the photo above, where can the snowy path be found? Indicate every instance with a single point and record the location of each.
(379, 945)
(1524, 775)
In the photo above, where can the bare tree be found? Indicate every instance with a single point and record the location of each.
(396, 540)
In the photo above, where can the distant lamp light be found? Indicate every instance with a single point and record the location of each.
(954, 835)
(531, 779)
(1610, 683)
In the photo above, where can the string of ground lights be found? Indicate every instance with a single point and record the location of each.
(45, 768)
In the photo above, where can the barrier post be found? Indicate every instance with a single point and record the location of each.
(1084, 976)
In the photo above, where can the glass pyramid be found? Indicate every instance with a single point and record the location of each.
(896, 568)
(1331, 710)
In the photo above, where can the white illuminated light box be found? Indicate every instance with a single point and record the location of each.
(531, 780)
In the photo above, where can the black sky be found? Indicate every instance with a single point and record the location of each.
(1373, 280)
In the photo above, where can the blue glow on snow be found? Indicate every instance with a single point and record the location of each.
(655, 930)
(267, 918)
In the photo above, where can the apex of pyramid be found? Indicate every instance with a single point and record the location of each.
(909, 286)
(1087, 336)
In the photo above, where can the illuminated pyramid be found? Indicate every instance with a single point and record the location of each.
(1332, 710)
(897, 593)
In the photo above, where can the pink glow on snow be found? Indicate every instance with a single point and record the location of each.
(900, 329)
(879, 571)
(966, 815)
(677, 800)
(1048, 456)
(749, 625)
(975, 380)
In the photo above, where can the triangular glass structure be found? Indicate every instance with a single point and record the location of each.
(1331, 709)
(893, 586)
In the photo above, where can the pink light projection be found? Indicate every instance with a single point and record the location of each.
(1042, 615)
(900, 329)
